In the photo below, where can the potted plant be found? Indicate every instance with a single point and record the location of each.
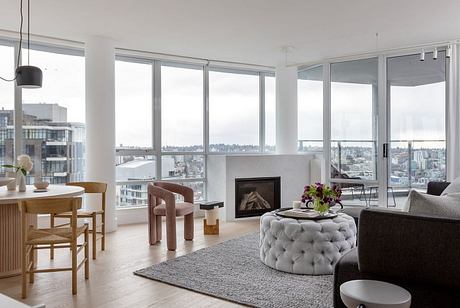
(322, 196)
(23, 166)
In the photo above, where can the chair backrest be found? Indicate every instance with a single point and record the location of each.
(50, 205)
(185, 191)
(157, 194)
(92, 188)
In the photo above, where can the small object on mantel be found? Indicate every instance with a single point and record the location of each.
(211, 214)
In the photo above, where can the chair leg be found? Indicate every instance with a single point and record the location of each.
(52, 245)
(103, 232)
(32, 264)
(159, 228)
(171, 232)
(188, 227)
(93, 230)
(74, 266)
(87, 252)
(24, 270)
(152, 229)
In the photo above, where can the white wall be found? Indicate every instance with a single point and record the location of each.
(294, 171)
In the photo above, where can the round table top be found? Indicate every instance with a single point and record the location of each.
(13, 196)
(375, 292)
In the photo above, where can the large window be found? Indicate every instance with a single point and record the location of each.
(233, 112)
(418, 128)
(181, 109)
(135, 160)
(133, 99)
(310, 109)
(353, 119)
(270, 113)
(54, 115)
(6, 105)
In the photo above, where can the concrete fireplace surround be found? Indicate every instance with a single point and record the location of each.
(294, 171)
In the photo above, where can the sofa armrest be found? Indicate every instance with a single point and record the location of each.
(436, 188)
(411, 248)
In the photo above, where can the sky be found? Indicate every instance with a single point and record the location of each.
(416, 112)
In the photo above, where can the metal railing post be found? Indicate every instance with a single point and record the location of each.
(409, 149)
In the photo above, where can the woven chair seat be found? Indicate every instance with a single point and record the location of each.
(52, 236)
(80, 214)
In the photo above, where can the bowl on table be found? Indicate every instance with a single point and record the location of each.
(4, 181)
(41, 185)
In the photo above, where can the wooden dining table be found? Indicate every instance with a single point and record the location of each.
(10, 222)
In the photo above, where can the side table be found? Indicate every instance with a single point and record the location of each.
(211, 217)
(374, 294)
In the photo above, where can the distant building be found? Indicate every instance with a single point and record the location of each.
(55, 145)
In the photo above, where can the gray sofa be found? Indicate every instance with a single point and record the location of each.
(419, 253)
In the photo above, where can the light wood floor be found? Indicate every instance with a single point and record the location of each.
(112, 282)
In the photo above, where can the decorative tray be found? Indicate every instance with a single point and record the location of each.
(304, 213)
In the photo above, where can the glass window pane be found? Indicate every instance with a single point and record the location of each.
(7, 106)
(181, 109)
(182, 166)
(133, 99)
(55, 115)
(233, 112)
(417, 94)
(133, 172)
(353, 119)
(270, 114)
(310, 109)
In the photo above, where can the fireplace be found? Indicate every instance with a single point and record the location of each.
(255, 196)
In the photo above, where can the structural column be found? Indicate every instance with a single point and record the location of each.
(100, 119)
(286, 109)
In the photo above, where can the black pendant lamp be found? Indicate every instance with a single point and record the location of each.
(28, 76)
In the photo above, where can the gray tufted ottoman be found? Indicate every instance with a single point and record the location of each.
(305, 246)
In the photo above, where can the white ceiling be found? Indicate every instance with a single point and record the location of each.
(249, 31)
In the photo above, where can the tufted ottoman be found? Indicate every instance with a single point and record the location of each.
(305, 246)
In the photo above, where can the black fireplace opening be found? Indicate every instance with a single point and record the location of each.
(256, 196)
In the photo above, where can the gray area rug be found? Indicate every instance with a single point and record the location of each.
(233, 271)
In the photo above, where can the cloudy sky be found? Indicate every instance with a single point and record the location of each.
(416, 112)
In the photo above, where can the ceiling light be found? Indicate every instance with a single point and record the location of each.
(422, 55)
(435, 53)
(28, 76)
(449, 51)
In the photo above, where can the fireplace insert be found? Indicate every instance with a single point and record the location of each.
(256, 196)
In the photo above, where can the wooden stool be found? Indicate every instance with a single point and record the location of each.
(211, 214)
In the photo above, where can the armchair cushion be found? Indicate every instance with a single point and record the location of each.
(182, 209)
(447, 205)
(453, 187)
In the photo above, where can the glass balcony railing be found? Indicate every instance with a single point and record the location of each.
(412, 163)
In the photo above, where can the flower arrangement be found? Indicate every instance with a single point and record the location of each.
(24, 164)
(322, 196)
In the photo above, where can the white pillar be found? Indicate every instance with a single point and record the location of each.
(286, 109)
(100, 119)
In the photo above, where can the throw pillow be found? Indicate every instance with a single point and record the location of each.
(423, 204)
(453, 187)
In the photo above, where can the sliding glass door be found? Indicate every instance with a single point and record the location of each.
(417, 127)
(353, 122)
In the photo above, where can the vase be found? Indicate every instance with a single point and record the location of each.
(11, 185)
(321, 207)
(21, 179)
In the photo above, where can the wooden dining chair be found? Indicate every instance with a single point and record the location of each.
(90, 188)
(34, 239)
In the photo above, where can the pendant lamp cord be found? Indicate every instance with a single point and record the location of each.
(28, 32)
(20, 43)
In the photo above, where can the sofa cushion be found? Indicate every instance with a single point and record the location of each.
(453, 187)
(423, 204)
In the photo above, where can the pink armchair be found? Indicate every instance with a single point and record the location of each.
(162, 202)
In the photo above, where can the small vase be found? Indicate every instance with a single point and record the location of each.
(21, 179)
(11, 185)
(321, 207)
